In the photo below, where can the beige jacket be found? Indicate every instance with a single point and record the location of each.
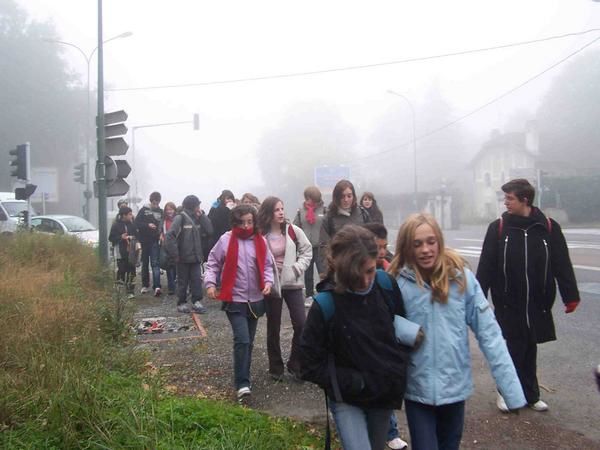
(295, 262)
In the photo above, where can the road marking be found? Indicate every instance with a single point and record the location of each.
(467, 239)
(595, 269)
(592, 231)
(590, 288)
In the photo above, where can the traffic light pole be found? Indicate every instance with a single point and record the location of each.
(101, 169)
(28, 165)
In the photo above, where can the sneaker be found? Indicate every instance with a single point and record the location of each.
(501, 404)
(184, 308)
(539, 406)
(198, 307)
(145, 290)
(242, 393)
(157, 292)
(397, 444)
(130, 296)
(308, 301)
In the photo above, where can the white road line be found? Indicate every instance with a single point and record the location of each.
(595, 269)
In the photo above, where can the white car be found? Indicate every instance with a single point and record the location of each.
(62, 224)
(11, 211)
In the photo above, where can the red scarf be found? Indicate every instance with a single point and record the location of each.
(310, 212)
(231, 261)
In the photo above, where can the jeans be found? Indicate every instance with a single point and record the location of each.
(189, 275)
(171, 278)
(435, 427)
(244, 330)
(151, 255)
(295, 303)
(309, 275)
(360, 428)
(393, 428)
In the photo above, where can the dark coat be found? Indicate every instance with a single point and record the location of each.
(146, 216)
(521, 264)
(371, 372)
(221, 223)
(116, 231)
(184, 239)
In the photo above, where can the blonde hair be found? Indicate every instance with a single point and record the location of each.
(448, 267)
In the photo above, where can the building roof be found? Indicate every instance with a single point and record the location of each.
(502, 142)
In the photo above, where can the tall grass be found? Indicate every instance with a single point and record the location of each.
(68, 379)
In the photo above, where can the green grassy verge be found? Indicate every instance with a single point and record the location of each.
(68, 379)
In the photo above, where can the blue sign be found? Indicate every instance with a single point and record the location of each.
(326, 177)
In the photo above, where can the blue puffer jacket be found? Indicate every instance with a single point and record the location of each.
(439, 372)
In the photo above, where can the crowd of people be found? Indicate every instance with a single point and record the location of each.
(383, 329)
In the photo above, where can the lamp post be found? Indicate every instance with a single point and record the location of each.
(88, 60)
(414, 139)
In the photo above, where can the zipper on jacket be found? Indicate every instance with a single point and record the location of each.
(504, 264)
(434, 371)
(546, 265)
(526, 283)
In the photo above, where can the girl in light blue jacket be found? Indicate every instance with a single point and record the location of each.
(445, 299)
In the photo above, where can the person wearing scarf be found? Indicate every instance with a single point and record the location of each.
(242, 262)
(310, 218)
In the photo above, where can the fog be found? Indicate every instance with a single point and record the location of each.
(266, 119)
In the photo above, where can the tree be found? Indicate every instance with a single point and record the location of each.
(309, 135)
(569, 113)
(42, 102)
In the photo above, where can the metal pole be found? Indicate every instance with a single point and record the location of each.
(101, 177)
(88, 172)
(27, 181)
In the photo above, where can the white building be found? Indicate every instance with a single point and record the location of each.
(503, 157)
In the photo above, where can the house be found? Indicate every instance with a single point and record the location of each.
(502, 157)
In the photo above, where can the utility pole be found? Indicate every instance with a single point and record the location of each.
(100, 166)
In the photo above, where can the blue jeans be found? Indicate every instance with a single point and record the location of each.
(360, 428)
(151, 255)
(171, 278)
(435, 427)
(393, 428)
(244, 330)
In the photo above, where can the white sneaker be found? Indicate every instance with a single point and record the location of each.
(539, 406)
(243, 393)
(145, 290)
(308, 301)
(501, 404)
(397, 444)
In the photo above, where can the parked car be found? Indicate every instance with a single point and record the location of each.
(63, 224)
(11, 212)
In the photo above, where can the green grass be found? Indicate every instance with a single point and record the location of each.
(68, 377)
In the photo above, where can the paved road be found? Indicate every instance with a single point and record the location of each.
(566, 365)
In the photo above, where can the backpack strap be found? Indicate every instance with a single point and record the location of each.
(292, 234)
(325, 301)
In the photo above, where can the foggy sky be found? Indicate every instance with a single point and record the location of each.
(190, 42)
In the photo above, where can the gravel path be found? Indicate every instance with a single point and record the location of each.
(202, 367)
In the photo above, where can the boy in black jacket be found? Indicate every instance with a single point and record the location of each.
(148, 221)
(122, 235)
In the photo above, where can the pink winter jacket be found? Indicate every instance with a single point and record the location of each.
(246, 281)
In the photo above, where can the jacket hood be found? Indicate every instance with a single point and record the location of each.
(536, 217)
(326, 285)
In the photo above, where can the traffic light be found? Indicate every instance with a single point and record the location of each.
(115, 145)
(79, 173)
(24, 193)
(21, 155)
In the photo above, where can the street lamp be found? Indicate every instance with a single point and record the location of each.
(88, 60)
(414, 127)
